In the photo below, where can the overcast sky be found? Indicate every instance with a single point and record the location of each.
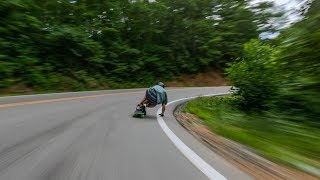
(289, 8)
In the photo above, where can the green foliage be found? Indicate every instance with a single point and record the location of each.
(299, 66)
(69, 47)
(254, 75)
(18, 37)
(272, 134)
(75, 43)
(285, 78)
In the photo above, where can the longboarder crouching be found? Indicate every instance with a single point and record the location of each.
(154, 95)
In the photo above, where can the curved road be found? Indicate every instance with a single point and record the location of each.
(92, 136)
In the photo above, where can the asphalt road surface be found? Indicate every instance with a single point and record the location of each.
(93, 136)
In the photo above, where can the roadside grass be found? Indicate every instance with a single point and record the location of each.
(272, 135)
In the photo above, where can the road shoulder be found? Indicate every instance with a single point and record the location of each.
(227, 169)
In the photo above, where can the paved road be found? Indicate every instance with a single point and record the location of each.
(92, 136)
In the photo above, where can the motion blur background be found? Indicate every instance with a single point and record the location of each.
(268, 49)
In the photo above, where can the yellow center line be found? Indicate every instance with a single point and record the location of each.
(80, 97)
(66, 99)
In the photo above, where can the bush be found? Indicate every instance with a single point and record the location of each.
(253, 75)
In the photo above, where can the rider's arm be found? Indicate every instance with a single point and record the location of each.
(163, 109)
(164, 103)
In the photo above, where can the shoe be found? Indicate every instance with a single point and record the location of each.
(139, 107)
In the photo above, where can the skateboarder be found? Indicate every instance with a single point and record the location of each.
(154, 96)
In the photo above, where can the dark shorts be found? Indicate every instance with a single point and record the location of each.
(151, 97)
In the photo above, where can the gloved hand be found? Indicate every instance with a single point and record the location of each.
(161, 114)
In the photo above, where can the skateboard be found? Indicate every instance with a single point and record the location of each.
(140, 112)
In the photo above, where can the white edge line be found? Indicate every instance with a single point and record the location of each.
(203, 166)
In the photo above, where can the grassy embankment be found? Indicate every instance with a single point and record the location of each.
(272, 135)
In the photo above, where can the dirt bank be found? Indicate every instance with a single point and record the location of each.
(211, 77)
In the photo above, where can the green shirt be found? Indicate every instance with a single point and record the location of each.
(162, 97)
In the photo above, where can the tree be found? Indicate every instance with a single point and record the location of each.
(254, 75)
(299, 66)
(18, 37)
(118, 42)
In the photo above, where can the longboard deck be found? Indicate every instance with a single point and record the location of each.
(138, 114)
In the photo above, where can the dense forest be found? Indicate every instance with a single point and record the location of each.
(63, 45)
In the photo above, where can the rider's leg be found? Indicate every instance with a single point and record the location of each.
(144, 101)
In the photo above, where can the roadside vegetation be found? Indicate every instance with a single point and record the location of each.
(76, 45)
(277, 108)
(272, 135)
